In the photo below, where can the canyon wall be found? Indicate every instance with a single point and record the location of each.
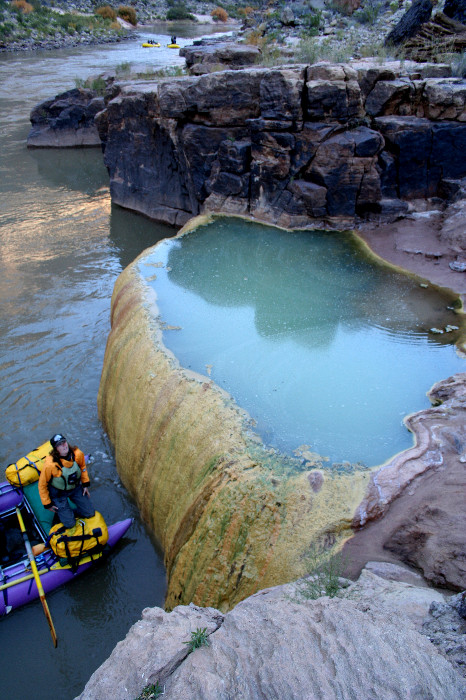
(299, 146)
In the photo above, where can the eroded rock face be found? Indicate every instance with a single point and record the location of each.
(66, 121)
(278, 644)
(321, 145)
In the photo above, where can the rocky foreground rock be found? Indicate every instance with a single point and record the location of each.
(369, 643)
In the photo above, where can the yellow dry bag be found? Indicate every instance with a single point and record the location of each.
(27, 469)
(88, 536)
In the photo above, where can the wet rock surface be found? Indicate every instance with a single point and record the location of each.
(366, 643)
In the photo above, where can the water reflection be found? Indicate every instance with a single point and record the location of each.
(76, 169)
(320, 345)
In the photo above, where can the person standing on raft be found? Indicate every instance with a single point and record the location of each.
(64, 476)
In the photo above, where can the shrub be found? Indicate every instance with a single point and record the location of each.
(151, 692)
(324, 576)
(255, 38)
(22, 6)
(106, 12)
(178, 10)
(369, 13)
(312, 23)
(219, 14)
(128, 14)
(198, 639)
(123, 68)
(245, 11)
(97, 84)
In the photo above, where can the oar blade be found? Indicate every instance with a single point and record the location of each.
(50, 621)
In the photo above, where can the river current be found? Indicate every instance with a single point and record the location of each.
(62, 246)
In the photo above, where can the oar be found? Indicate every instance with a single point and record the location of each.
(37, 577)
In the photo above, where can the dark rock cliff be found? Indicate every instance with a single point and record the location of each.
(321, 145)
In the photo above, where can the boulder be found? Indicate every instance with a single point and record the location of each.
(67, 121)
(445, 626)
(419, 12)
(228, 55)
(279, 643)
(387, 96)
(426, 152)
(280, 94)
(455, 9)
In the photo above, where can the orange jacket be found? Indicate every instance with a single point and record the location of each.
(51, 469)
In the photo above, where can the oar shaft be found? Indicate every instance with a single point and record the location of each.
(36, 577)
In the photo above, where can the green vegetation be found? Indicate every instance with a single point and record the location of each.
(123, 69)
(22, 20)
(311, 51)
(324, 578)
(96, 84)
(178, 10)
(151, 692)
(458, 65)
(312, 23)
(369, 13)
(169, 72)
(198, 639)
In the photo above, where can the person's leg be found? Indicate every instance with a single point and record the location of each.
(84, 506)
(65, 512)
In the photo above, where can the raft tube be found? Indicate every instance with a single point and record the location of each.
(17, 584)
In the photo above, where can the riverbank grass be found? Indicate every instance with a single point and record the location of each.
(26, 21)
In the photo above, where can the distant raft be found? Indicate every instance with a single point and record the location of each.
(173, 46)
(150, 45)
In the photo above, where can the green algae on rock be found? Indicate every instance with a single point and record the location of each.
(230, 522)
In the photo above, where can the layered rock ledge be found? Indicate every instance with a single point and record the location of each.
(369, 643)
(322, 145)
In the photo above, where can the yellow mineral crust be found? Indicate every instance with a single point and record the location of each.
(229, 522)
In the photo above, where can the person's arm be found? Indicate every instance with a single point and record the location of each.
(44, 494)
(85, 481)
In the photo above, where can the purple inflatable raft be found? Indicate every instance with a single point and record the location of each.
(17, 585)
